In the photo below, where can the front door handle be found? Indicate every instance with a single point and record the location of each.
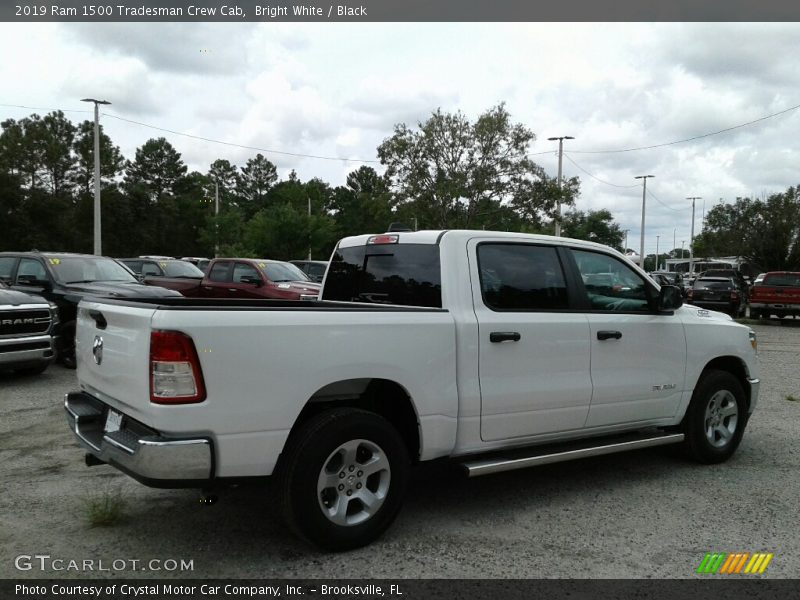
(504, 336)
(609, 335)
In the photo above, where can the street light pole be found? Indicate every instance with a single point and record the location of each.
(216, 218)
(691, 235)
(560, 157)
(98, 238)
(644, 203)
(625, 250)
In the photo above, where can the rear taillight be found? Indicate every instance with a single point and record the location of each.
(734, 295)
(689, 293)
(175, 375)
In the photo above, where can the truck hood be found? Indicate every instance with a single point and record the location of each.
(14, 298)
(690, 310)
(120, 289)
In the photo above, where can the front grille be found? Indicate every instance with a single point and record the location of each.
(24, 346)
(24, 322)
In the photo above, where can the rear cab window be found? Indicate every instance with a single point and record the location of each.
(403, 274)
(521, 277)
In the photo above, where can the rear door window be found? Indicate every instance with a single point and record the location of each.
(219, 272)
(521, 277)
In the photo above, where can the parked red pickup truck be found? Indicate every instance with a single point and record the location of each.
(245, 278)
(778, 294)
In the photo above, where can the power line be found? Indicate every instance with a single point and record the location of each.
(691, 139)
(661, 203)
(234, 145)
(597, 178)
(44, 108)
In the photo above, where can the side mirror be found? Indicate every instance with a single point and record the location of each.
(250, 279)
(669, 298)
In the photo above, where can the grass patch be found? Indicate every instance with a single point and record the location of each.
(104, 508)
(792, 398)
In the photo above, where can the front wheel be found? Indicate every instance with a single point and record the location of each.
(343, 478)
(716, 418)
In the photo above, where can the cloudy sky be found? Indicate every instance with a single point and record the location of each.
(337, 89)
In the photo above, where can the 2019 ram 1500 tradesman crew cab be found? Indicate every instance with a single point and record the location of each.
(498, 350)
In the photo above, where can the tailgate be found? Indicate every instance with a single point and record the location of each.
(112, 346)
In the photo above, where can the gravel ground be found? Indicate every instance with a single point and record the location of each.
(636, 515)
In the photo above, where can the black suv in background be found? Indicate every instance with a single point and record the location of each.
(738, 278)
(65, 279)
(724, 294)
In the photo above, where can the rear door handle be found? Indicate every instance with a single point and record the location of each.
(504, 336)
(609, 335)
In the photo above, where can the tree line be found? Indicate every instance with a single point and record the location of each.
(447, 172)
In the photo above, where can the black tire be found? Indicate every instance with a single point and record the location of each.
(316, 449)
(706, 424)
(66, 354)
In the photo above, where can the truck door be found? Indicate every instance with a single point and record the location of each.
(534, 365)
(638, 355)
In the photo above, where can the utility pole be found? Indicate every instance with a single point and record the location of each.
(691, 235)
(644, 202)
(216, 218)
(309, 227)
(98, 236)
(560, 157)
(674, 233)
(658, 237)
(625, 250)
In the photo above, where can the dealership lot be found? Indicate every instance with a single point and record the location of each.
(642, 514)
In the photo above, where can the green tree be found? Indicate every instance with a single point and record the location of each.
(254, 183)
(764, 231)
(111, 159)
(156, 169)
(363, 205)
(56, 135)
(594, 225)
(458, 172)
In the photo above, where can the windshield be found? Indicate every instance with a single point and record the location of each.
(180, 268)
(83, 269)
(278, 271)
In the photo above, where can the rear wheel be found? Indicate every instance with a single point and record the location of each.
(343, 478)
(716, 418)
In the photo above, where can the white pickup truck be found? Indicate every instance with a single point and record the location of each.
(497, 350)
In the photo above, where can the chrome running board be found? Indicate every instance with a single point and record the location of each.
(551, 454)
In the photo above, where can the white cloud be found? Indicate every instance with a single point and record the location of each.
(338, 89)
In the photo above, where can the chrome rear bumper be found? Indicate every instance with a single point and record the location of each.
(136, 449)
